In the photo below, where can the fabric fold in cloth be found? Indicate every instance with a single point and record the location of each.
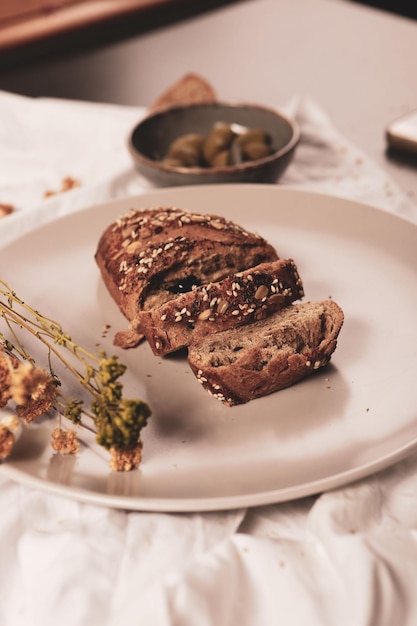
(328, 162)
(346, 557)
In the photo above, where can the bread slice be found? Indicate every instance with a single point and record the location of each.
(147, 257)
(190, 89)
(234, 301)
(241, 364)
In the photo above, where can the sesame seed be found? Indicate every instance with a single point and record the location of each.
(261, 292)
(198, 218)
(217, 224)
(205, 315)
(222, 306)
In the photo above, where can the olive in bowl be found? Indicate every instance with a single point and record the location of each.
(213, 143)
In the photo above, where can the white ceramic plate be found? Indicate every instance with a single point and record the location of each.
(355, 417)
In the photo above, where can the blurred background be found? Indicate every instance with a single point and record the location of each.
(35, 31)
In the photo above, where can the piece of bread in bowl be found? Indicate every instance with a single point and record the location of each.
(189, 89)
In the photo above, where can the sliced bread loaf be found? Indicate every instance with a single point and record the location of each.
(234, 301)
(148, 257)
(241, 364)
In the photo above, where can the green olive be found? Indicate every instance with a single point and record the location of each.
(253, 134)
(218, 139)
(186, 149)
(255, 150)
(173, 162)
(188, 156)
(219, 148)
(221, 159)
(191, 140)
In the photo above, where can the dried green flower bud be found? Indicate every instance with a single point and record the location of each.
(73, 411)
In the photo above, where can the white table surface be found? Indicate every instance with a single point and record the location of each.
(357, 62)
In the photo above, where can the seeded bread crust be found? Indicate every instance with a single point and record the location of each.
(146, 254)
(242, 364)
(235, 301)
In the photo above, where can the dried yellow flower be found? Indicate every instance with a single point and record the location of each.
(7, 441)
(117, 421)
(64, 441)
(33, 390)
(127, 459)
(5, 366)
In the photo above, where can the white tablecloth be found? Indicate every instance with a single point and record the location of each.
(344, 558)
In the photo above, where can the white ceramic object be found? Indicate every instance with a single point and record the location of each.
(352, 418)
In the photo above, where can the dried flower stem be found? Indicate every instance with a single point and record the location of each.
(42, 328)
(117, 421)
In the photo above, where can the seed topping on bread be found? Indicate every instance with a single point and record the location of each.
(242, 364)
(148, 256)
(236, 300)
(153, 221)
(217, 301)
(136, 227)
(184, 279)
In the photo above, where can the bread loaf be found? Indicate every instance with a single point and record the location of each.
(190, 89)
(235, 301)
(147, 257)
(241, 364)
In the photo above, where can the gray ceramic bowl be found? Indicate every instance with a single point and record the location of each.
(151, 138)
